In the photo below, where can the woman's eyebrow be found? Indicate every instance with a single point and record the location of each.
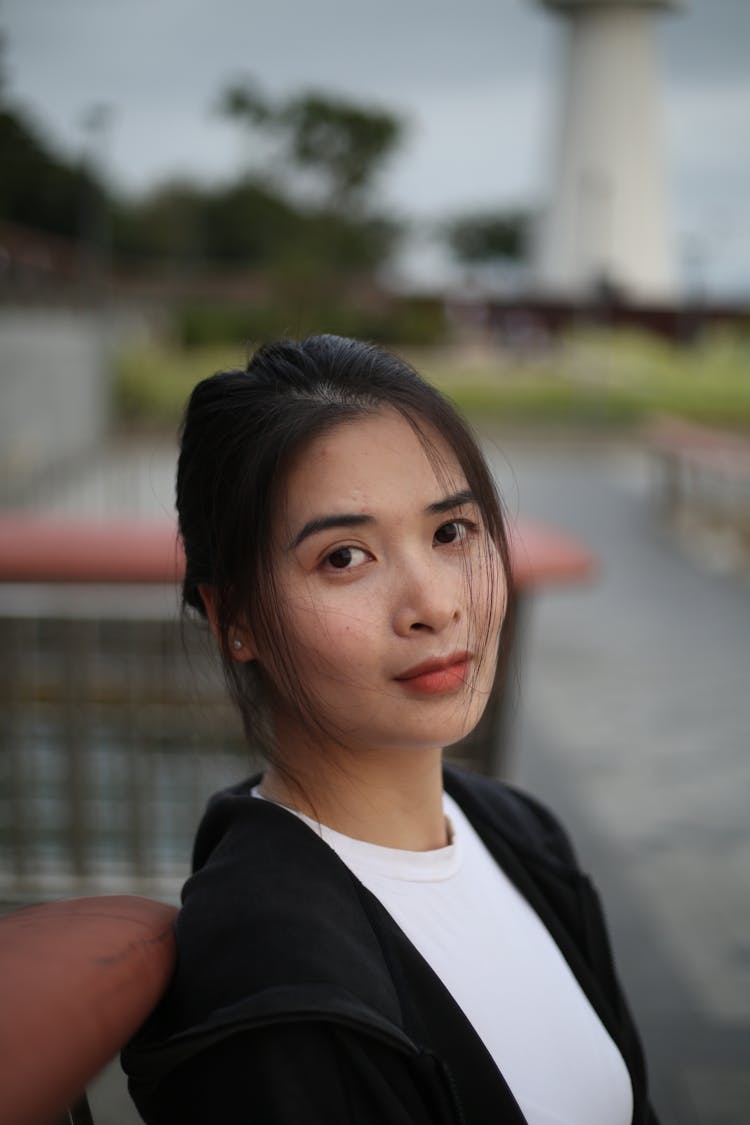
(357, 519)
(323, 523)
(456, 500)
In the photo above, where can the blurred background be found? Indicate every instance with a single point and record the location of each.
(544, 206)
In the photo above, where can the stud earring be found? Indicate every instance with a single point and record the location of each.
(236, 645)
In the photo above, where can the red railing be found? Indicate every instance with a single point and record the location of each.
(52, 550)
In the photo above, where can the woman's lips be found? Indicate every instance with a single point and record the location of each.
(435, 677)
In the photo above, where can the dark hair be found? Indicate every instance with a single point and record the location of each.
(240, 433)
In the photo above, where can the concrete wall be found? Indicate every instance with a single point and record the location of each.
(55, 384)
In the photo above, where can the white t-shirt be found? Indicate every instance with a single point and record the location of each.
(500, 964)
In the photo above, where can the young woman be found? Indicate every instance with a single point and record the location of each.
(367, 937)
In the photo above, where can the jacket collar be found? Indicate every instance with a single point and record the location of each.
(275, 926)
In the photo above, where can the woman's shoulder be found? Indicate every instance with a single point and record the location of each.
(271, 918)
(273, 927)
(231, 816)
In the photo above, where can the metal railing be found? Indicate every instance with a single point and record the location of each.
(114, 732)
(115, 725)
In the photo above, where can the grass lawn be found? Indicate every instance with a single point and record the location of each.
(597, 378)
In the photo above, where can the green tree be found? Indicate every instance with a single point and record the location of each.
(38, 188)
(486, 238)
(260, 220)
(164, 224)
(344, 144)
(320, 155)
(244, 102)
(248, 223)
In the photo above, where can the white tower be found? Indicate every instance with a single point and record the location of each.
(607, 222)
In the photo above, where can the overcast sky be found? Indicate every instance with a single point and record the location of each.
(476, 81)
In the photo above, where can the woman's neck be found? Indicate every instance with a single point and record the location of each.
(392, 798)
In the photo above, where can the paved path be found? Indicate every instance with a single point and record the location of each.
(633, 720)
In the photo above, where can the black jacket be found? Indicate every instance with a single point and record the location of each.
(298, 999)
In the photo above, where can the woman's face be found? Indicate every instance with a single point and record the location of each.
(392, 593)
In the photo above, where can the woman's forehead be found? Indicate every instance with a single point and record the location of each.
(373, 460)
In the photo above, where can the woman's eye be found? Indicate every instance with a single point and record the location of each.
(346, 558)
(454, 532)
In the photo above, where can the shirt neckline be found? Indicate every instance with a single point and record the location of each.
(397, 864)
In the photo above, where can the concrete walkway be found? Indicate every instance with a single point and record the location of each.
(633, 716)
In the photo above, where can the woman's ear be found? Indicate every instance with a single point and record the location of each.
(240, 640)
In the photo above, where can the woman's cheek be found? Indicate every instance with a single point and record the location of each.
(321, 620)
(489, 578)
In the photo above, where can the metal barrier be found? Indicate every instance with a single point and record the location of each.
(115, 725)
(113, 733)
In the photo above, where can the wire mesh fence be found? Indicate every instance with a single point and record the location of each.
(113, 734)
(115, 728)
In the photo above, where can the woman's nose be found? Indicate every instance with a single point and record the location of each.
(427, 599)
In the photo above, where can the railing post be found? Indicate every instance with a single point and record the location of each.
(13, 648)
(76, 649)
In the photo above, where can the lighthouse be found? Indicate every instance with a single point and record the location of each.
(606, 228)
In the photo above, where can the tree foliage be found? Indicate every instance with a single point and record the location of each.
(245, 224)
(37, 187)
(484, 238)
(344, 144)
(311, 211)
(264, 219)
(243, 101)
